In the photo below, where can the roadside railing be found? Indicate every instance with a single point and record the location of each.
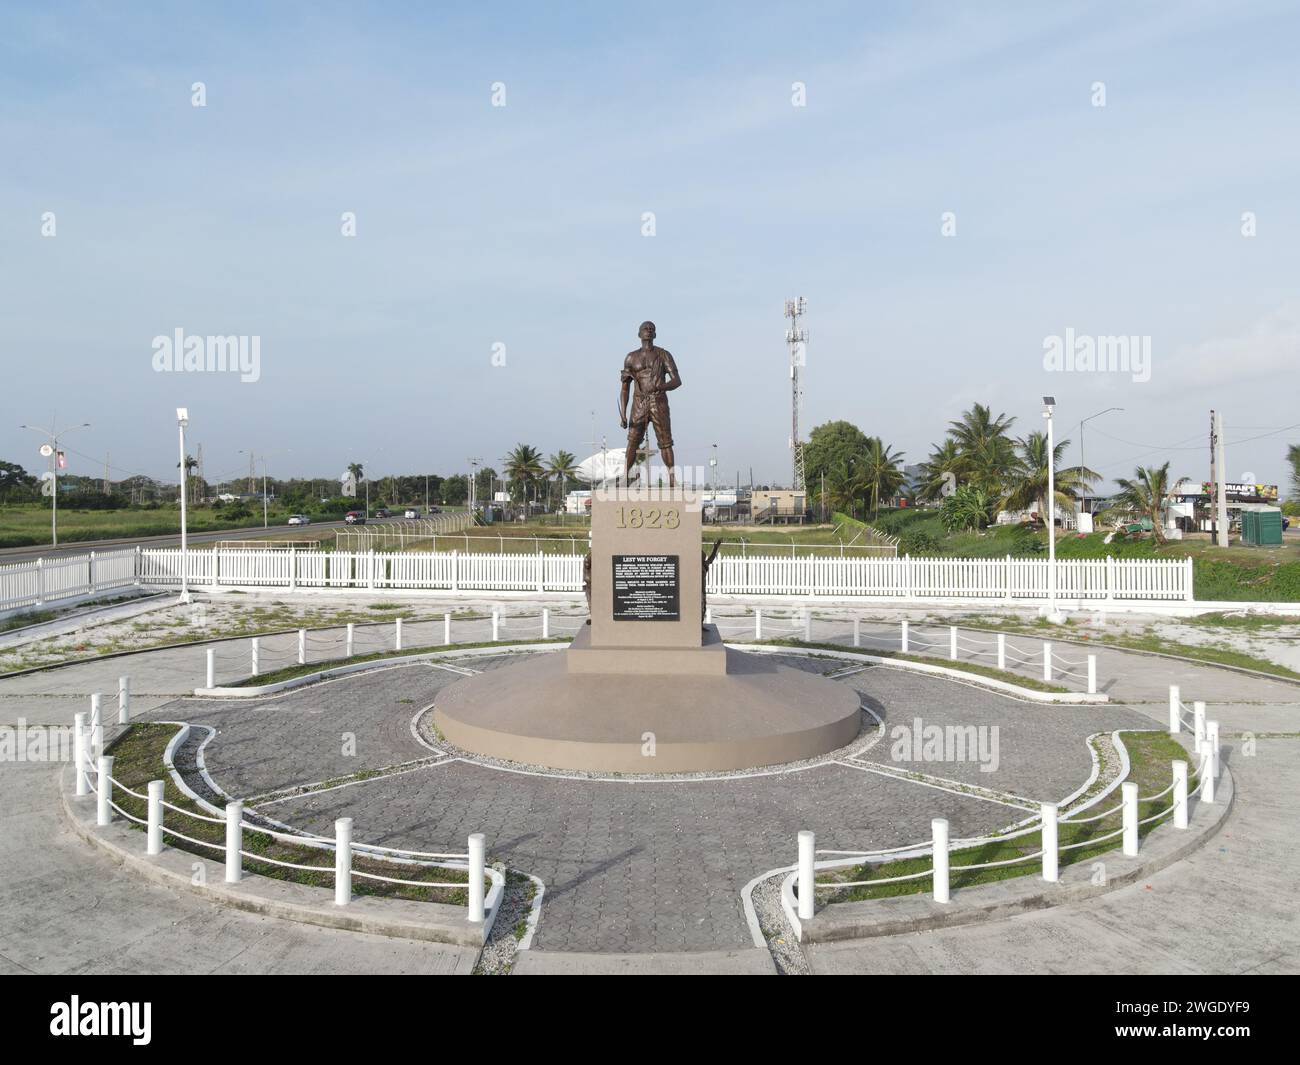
(1047, 824)
(334, 647)
(94, 776)
(951, 643)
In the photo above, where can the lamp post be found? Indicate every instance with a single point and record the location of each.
(51, 450)
(1050, 611)
(1083, 465)
(713, 463)
(182, 420)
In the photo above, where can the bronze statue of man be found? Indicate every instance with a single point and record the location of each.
(655, 375)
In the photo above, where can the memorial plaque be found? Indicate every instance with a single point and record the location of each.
(647, 588)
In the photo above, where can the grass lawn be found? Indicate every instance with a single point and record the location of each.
(1150, 754)
(138, 759)
(28, 524)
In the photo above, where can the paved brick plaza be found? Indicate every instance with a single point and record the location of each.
(634, 865)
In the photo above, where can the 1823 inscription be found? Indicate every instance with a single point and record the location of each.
(646, 588)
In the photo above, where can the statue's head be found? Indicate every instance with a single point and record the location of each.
(647, 331)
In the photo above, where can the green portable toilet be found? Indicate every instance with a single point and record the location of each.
(1249, 528)
(1268, 524)
(1261, 528)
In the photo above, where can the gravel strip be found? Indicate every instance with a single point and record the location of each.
(781, 940)
(498, 957)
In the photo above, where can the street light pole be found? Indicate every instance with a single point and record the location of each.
(55, 454)
(1051, 613)
(182, 420)
(714, 463)
(1083, 465)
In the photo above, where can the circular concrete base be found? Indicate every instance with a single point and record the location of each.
(760, 713)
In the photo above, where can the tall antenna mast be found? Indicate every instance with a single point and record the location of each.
(797, 339)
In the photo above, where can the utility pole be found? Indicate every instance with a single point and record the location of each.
(1219, 497)
(107, 488)
(797, 338)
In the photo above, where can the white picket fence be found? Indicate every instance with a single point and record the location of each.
(49, 580)
(26, 584)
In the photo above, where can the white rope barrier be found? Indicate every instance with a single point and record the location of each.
(994, 865)
(411, 883)
(872, 883)
(1092, 842)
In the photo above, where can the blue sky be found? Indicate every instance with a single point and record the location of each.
(521, 225)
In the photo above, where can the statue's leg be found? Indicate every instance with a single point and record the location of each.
(664, 438)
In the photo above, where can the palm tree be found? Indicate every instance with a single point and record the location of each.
(1293, 457)
(191, 464)
(1145, 494)
(1027, 486)
(988, 454)
(524, 466)
(560, 466)
(945, 458)
(844, 484)
(358, 473)
(881, 473)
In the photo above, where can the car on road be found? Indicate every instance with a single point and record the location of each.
(411, 512)
(435, 510)
(383, 512)
(354, 517)
(299, 519)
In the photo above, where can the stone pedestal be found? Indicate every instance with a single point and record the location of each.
(646, 578)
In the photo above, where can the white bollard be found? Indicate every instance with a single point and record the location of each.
(903, 641)
(939, 830)
(476, 864)
(952, 642)
(807, 875)
(1129, 815)
(256, 657)
(343, 861)
(496, 626)
(1051, 838)
(1180, 794)
(302, 647)
(154, 835)
(708, 615)
(1002, 650)
(1212, 744)
(1047, 660)
(397, 634)
(123, 700)
(96, 725)
(349, 640)
(857, 632)
(104, 792)
(1198, 724)
(234, 842)
(211, 672)
(546, 622)
(446, 630)
(1092, 674)
(1207, 775)
(1175, 721)
(79, 752)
